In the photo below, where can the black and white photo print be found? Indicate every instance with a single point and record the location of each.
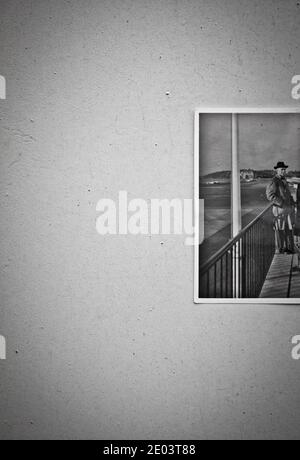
(247, 174)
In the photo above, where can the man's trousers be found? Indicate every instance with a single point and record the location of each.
(284, 235)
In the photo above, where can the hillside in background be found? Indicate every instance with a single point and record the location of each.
(264, 173)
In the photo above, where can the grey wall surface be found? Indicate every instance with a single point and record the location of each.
(103, 338)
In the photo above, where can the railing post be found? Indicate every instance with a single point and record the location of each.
(236, 206)
(235, 180)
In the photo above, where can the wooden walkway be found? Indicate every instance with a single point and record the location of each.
(283, 279)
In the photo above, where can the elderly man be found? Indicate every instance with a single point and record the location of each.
(278, 192)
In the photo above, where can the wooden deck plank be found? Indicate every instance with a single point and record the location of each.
(279, 277)
(295, 284)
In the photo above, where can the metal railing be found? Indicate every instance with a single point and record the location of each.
(239, 269)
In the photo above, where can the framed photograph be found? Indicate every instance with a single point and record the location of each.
(247, 180)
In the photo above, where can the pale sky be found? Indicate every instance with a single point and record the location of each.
(263, 140)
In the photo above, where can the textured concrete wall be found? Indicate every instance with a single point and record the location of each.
(103, 338)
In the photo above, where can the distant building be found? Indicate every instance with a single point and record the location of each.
(247, 174)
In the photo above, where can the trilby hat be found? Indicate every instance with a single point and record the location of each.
(281, 164)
